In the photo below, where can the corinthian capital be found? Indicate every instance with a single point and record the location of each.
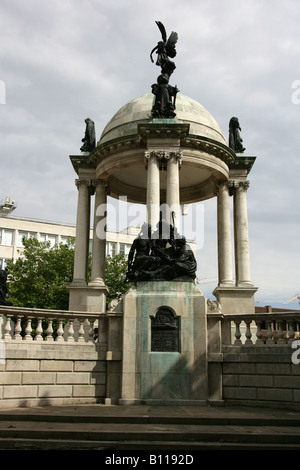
(163, 157)
(244, 185)
(235, 184)
(79, 182)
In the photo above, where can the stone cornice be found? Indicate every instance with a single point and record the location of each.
(81, 162)
(114, 146)
(163, 128)
(243, 162)
(210, 146)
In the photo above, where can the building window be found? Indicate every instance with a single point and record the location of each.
(6, 237)
(64, 240)
(27, 235)
(2, 263)
(124, 249)
(45, 237)
(111, 249)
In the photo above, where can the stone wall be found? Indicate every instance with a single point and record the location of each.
(261, 376)
(64, 374)
(39, 374)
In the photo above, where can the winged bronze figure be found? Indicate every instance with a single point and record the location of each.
(165, 49)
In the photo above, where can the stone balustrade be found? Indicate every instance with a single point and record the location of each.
(51, 325)
(262, 329)
(236, 329)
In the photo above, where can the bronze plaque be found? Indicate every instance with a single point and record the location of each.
(165, 328)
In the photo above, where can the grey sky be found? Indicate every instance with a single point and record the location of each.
(64, 60)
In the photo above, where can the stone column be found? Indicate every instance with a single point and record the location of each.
(242, 261)
(99, 234)
(82, 233)
(172, 190)
(224, 236)
(153, 189)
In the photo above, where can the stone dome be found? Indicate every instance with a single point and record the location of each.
(188, 111)
(119, 157)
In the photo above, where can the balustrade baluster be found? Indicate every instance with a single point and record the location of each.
(39, 330)
(280, 333)
(248, 333)
(291, 331)
(91, 331)
(60, 331)
(269, 333)
(237, 333)
(28, 330)
(259, 334)
(18, 328)
(81, 331)
(70, 337)
(49, 331)
(7, 328)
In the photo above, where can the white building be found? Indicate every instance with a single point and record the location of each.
(13, 229)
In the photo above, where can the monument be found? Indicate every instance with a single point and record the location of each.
(162, 149)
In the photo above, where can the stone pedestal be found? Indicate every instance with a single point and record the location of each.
(164, 345)
(88, 299)
(236, 299)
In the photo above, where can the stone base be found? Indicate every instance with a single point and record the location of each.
(88, 298)
(162, 376)
(236, 299)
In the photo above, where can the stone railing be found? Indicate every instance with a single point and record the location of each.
(60, 325)
(49, 325)
(260, 328)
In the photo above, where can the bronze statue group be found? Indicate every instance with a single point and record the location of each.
(162, 255)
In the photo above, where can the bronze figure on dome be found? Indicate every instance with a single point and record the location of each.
(165, 49)
(165, 94)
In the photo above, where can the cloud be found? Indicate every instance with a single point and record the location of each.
(64, 61)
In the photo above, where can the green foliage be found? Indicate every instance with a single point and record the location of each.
(115, 274)
(38, 279)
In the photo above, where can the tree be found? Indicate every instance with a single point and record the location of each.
(115, 274)
(40, 277)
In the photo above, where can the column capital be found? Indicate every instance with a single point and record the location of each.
(79, 182)
(235, 184)
(222, 184)
(163, 157)
(87, 183)
(99, 182)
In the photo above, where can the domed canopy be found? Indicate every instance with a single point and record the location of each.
(119, 157)
(188, 111)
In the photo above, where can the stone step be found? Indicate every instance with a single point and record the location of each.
(148, 428)
(144, 436)
(17, 444)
